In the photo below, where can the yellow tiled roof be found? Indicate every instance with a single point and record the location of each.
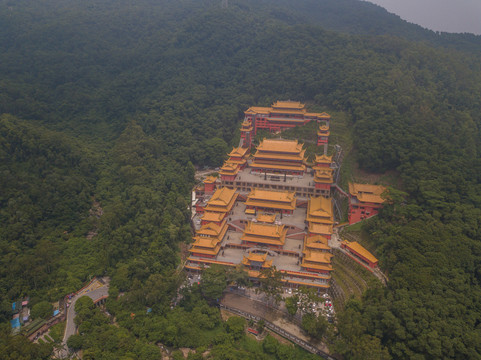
(237, 162)
(367, 192)
(238, 152)
(272, 199)
(212, 229)
(222, 200)
(229, 170)
(305, 283)
(314, 265)
(229, 166)
(272, 195)
(280, 145)
(206, 242)
(254, 273)
(212, 216)
(209, 250)
(291, 120)
(263, 240)
(289, 157)
(210, 180)
(320, 207)
(258, 110)
(316, 242)
(264, 229)
(274, 166)
(262, 258)
(222, 196)
(323, 159)
(354, 245)
(256, 257)
(323, 174)
(266, 218)
(317, 256)
(271, 204)
(288, 105)
(210, 261)
(317, 228)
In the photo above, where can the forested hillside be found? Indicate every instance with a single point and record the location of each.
(116, 102)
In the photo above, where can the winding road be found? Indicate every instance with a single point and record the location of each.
(95, 291)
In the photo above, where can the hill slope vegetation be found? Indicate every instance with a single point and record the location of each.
(117, 101)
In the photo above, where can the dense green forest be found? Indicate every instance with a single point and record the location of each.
(116, 102)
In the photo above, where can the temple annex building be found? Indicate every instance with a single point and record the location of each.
(270, 206)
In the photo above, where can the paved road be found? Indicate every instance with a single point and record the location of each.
(70, 327)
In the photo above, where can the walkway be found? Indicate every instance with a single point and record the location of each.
(95, 290)
(275, 317)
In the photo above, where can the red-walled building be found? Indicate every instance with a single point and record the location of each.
(354, 248)
(236, 162)
(323, 135)
(282, 115)
(364, 201)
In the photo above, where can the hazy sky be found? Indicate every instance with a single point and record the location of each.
(440, 15)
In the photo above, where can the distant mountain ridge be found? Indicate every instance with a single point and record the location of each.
(363, 18)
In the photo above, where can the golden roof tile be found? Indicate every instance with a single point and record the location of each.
(238, 152)
(266, 218)
(210, 180)
(212, 216)
(288, 105)
(367, 192)
(358, 248)
(280, 145)
(320, 207)
(222, 197)
(323, 159)
(317, 228)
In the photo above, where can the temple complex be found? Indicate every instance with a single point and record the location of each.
(271, 208)
(281, 115)
(364, 201)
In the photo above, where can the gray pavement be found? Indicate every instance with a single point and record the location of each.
(93, 292)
